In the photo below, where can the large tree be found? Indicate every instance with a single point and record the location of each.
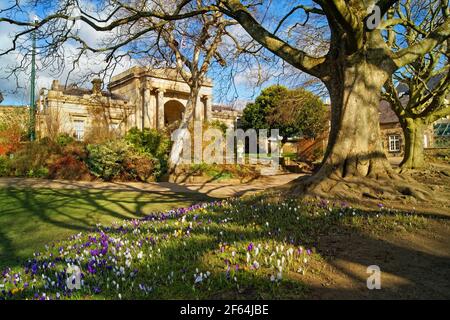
(359, 62)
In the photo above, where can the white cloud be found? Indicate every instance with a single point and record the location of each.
(16, 91)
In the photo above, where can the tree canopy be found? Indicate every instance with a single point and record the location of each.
(299, 113)
(255, 114)
(294, 113)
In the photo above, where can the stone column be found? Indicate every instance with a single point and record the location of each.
(160, 106)
(138, 105)
(147, 106)
(208, 108)
(199, 110)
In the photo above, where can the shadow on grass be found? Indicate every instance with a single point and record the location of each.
(32, 218)
(346, 247)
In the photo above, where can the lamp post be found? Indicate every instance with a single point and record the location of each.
(33, 86)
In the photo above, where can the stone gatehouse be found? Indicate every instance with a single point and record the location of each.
(139, 97)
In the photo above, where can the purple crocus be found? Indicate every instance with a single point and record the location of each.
(97, 290)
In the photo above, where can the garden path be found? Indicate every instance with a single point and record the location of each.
(212, 189)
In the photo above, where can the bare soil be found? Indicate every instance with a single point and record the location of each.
(414, 264)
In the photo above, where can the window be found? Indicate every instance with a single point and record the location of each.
(442, 129)
(78, 126)
(394, 143)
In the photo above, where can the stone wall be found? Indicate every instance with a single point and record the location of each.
(388, 130)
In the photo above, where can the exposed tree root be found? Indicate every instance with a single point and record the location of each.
(388, 186)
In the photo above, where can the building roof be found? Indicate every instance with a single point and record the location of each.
(387, 115)
(12, 107)
(74, 90)
(224, 108)
(142, 72)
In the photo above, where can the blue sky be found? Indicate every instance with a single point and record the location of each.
(245, 89)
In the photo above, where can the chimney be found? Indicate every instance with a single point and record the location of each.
(55, 85)
(97, 86)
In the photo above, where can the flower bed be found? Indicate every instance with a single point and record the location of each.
(254, 248)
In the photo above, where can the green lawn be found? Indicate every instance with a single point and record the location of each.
(249, 248)
(32, 218)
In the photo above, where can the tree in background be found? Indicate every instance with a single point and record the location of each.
(299, 113)
(13, 128)
(419, 92)
(191, 46)
(294, 113)
(255, 114)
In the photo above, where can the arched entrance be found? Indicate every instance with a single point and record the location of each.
(173, 112)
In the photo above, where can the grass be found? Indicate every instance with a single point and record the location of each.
(253, 248)
(32, 218)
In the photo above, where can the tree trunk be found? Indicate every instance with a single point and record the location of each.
(354, 146)
(177, 147)
(413, 130)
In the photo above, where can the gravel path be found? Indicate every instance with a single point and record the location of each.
(219, 190)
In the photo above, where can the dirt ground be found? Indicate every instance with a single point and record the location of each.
(414, 265)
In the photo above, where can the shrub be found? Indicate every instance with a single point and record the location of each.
(41, 172)
(153, 144)
(142, 168)
(5, 166)
(149, 141)
(13, 129)
(32, 158)
(68, 167)
(77, 150)
(9, 141)
(64, 139)
(107, 160)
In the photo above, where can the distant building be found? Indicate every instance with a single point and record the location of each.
(139, 97)
(73, 110)
(392, 136)
(226, 114)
